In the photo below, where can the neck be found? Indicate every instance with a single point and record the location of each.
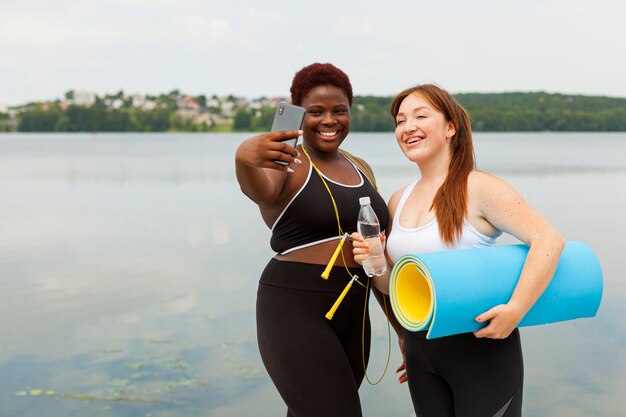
(434, 171)
(316, 155)
(435, 178)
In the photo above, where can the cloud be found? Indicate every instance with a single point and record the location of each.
(254, 47)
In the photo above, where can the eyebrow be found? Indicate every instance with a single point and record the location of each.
(415, 110)
(320, 106)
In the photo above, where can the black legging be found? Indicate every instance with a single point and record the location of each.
(462, 376)
(315, 363)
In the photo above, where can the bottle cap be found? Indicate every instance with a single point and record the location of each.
(364, 200)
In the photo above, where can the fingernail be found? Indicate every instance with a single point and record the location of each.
(297, 161)
(479, 319)
(300, 132)
(289, 169)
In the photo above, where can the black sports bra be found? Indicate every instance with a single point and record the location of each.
(309, 218)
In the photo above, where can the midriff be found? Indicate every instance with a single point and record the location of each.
(320, 254)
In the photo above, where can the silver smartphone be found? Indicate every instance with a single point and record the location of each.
(287, 117)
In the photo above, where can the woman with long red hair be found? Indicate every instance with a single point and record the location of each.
(454, 206)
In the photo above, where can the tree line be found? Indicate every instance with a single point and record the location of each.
(94, 119)
(503, 112)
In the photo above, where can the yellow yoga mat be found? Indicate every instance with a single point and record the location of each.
(443, 292)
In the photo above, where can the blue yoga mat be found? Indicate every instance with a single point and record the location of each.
(443, 292)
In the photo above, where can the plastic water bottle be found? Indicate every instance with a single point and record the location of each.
(369, 227)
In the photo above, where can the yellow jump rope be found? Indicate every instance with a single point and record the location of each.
(354, 278)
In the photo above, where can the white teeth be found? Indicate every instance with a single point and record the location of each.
(413, 140)
(328, 134)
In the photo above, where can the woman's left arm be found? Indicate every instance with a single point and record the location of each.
(501, 206)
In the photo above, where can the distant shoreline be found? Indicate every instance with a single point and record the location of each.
(177, 112)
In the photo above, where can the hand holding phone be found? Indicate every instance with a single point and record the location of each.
(287, 117)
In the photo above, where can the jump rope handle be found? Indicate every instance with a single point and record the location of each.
(335, 306)
(331, 263)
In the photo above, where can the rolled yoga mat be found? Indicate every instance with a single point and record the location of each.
(443, 292)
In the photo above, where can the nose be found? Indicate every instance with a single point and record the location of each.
(328, 118)
(411, 125)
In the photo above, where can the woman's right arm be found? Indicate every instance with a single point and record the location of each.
(259, 177)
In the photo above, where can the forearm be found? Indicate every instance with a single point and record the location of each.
(381, 283)
(256, 183)
(539, 267)
(259, 176)
(253, 182)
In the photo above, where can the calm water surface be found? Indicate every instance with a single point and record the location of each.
(129, 265)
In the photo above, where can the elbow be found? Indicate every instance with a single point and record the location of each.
(248, 193)
(558, 242)
(551, 242)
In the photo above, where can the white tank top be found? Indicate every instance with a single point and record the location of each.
(404, 240)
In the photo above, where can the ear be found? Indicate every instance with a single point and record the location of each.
(451, 131)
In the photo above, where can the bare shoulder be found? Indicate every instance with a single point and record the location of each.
(481, 178)
(491, 197)
(365, 164)
(357, 160)
(484, 184)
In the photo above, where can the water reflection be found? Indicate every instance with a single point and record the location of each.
(129, 263)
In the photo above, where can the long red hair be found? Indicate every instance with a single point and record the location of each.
(450, 202)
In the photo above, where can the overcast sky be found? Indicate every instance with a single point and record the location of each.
(252, 48)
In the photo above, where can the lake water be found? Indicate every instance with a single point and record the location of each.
(129, 265)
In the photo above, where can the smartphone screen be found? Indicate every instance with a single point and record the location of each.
(287, 117)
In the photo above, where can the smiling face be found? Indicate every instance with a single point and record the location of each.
(327, 119)
(422, 131)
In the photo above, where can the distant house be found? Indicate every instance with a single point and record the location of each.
(117, 103)
(228, 108)
(143, 102)
(84, 98)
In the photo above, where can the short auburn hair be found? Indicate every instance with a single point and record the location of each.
(317, 74)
